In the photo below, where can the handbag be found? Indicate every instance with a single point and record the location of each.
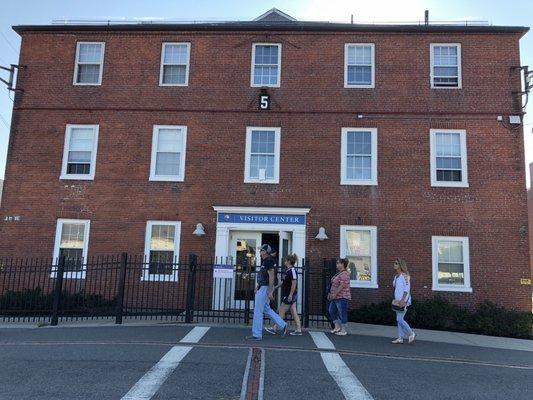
(396, 306)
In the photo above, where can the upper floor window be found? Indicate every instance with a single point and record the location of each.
(448, 158)
(266, 64)
(161, 249)
(451, 264)
(71, 243)
(359, 158)
(445, 65)
(168, 153)
(262, 155)
(359, 65)
(89, 63)
(175, 64)
(79, 154)
(359, 246)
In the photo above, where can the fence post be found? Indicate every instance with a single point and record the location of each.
(121, 285)
(189, 307)
(247, 293)
(57, 291)
(305, 269)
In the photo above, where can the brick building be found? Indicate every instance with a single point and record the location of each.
(395, 139)
(530, 210)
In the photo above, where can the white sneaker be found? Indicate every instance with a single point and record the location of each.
(272, 331)
(341, 333)
(412, 337)
(335, 330)
(397, 341)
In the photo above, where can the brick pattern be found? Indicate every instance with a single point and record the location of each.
(311, 107)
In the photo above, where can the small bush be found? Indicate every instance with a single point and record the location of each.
(439, 314)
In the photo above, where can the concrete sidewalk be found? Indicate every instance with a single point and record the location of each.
(459, 338)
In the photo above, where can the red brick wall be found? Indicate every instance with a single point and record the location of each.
(311, 107)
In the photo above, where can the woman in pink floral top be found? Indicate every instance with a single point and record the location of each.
(338, 296)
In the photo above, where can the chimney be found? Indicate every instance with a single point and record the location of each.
(426, 17)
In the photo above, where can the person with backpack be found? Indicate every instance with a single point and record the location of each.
(289, 293)
(263, 293)
(402, 299)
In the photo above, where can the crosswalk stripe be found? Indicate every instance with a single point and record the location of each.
(322, 341)
(244, 387)
(348, 383)
(150, 383)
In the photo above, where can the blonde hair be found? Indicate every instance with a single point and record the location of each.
(292, 258)
(403, 266)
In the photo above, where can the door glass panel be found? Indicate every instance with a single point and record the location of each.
(245, 262)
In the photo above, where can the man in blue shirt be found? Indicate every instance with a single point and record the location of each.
(263, 294)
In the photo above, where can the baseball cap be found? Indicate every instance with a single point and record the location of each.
(266, 248)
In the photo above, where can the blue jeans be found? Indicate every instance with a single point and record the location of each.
(338, 311)
(262, 306)
(403, 327)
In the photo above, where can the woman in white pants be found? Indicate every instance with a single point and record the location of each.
(402, 299)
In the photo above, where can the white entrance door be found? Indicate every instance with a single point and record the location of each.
(244, 248)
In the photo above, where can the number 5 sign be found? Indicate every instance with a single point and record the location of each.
(264, 102)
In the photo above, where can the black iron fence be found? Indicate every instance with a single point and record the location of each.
(124, 287)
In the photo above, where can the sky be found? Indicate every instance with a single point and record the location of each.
(17, 12)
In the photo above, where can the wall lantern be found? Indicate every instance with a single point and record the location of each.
(321, 234)
(199, 231)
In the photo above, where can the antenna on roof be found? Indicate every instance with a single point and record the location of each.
(426, 17)
(351, 20)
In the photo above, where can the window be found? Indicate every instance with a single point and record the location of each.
(451, 264)
(266, 64)
(79, 154)
(448, 158)
(359, 158)
(161, 251)
(71, 242)
(168, 153)
(175, 64)
(359, 65)
(262, 155)
(445, 65)
(89, 63)
(359, 246)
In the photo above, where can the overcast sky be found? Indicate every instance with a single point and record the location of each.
(15, 12)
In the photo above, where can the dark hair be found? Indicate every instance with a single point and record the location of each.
(292, 258)
(343, 261)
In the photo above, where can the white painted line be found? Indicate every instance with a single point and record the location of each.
(348, 383)
(150, 383)
(322, 341)
(261, 390)
(244, 387)
(195, 334)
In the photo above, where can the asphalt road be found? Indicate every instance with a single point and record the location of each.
(183, 362)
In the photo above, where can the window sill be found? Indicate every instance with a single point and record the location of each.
(174, 84)
(348, 86)
(452, 289)
(450, 184)
(87, 84)
(265, 86)
(358, 183)
(266, 181)
(77, 177)
(166, 179)
(355, 284)
(446, 87)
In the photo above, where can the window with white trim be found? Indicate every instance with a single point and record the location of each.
(359, 66)
(71, 244)
(168, 153)
(445, 65)
(359, 246)
(175, 64)
(79, 153)
(161, 250)
(449, 165)
(359, 158)
(266, 64)
(262, 155)
(89, 63)
(451, 264)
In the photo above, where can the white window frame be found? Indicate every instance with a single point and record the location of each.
(373, 283)
(155, 136)
(466, 264)
(76, 62)
(64, 165)
(254, 45)
(459, 66)
(433, 158)
(146, 276)
(374, 158)
(163, 64)
(248, 155)
(55, 256)
(373, 66)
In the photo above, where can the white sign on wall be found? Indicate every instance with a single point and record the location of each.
(223, 271)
